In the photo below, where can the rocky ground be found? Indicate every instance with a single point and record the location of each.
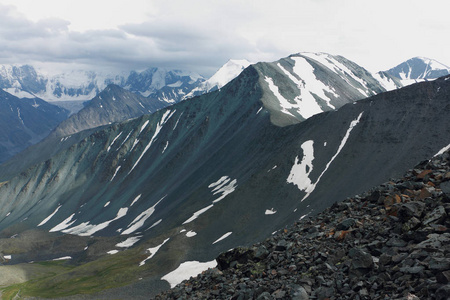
(392, 242)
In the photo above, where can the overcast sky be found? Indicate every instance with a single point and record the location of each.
(201, 35)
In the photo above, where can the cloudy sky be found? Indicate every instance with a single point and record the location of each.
(201, 35)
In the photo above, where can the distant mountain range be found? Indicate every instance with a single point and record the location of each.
(130, 202)
(163, 84)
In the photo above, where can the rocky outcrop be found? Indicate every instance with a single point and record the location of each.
(392, 242)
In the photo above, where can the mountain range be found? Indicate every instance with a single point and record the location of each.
(126, 204)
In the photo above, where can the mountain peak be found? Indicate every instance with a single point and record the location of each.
(230, 70)
(418, 69)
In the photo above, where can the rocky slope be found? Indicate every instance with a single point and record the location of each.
(391, 242)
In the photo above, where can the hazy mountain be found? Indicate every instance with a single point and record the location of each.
(179, 186)
(26, 81)
(418, 69)
(24, 122)
(113, 104)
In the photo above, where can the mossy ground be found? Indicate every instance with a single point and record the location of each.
(51, 279)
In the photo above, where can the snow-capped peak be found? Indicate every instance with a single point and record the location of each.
(226, 73)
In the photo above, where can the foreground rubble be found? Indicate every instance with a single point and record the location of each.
(392, 242)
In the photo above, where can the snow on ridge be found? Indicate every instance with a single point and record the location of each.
(186, 270)
(339, 68)
(165, 117)
(226, 73)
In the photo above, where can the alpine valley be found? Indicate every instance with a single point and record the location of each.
(129, 209)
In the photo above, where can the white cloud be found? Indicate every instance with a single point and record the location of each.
(201, 35)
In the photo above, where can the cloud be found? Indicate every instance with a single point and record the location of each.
(201, 35)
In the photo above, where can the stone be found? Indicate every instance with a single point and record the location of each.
(360, 259)
(445, 187)
(440, 263)
(299, 293)
(346, 224)
(410, 209)
(443, 292)
(443, 277)
(437, 215)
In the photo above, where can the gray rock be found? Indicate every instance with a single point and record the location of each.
(443, 292)
(437, 215)
(360, 259)
(440, 263)
(346, 224)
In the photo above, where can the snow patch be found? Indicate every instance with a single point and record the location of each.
(442, 150)
(112, 143)
(166, 116)
(197, 213)
(64, 224)
(270, 211)
(136, 199)
(143, 126)
(129, 242)
(191, 233)
(107, 203)
(115, 173)
(63, 258)
(152, 252)
(86, 229)
(187, 270)
(223, 237)
(299, 172)
(139, 221)
(113, 252)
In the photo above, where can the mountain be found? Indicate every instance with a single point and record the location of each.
(141, 198)
(418, 69)
(24, 122)
(295, 88)
(305, 84)
(79, 85)
(113, 104)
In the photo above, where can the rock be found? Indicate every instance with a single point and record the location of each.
(346, 224)
(231, 258)
(445, 187)
(443, 277)
(440, 263)
(396, 242)
(410, 209)
(299, 293)
(443, 292)
(360, 259)
(437, 215)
